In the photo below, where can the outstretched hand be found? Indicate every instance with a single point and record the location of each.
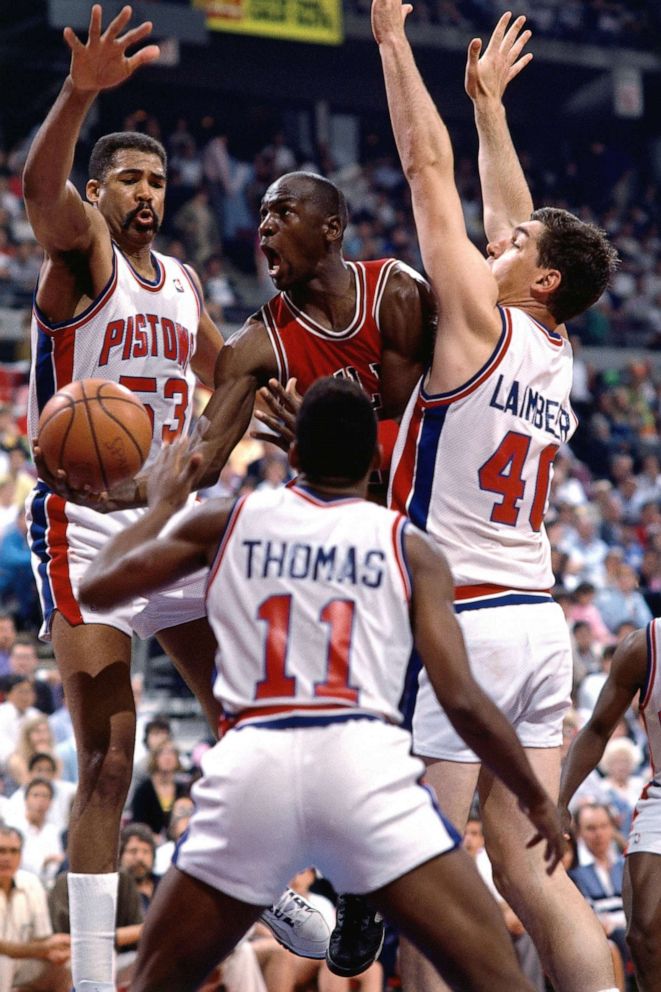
(544, 817)
(388, 18)
(488, 77)
(172, 475)
(101, 62)
(284, 404)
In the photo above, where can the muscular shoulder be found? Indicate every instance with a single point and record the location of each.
(248, 352)
(408, 307)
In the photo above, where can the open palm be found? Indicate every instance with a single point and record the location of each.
(102, 62)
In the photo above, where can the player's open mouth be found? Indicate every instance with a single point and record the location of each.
(274, 260)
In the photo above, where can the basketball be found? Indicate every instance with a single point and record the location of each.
(97, 431)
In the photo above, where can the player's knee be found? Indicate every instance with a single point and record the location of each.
(106, 766)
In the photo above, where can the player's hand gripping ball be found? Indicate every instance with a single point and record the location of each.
(97, 431)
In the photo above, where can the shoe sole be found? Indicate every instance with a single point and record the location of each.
(312, 955)
(353, 972)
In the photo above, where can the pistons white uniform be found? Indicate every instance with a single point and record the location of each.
(142, 334)
(645, 834)
(473, 467)
(309, 602)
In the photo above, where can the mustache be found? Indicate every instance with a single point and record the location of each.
(130, 217)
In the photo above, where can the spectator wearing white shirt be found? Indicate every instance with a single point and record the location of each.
(16, 710)
(32, 957)
(42, 845)
(44, 765)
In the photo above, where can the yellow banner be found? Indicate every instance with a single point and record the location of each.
(298, 20)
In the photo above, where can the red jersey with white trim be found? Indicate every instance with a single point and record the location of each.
(473, 466)
(309, 602)
(137, 332)
(650, 698)
(307, 350)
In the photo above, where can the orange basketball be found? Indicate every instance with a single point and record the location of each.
(97, 431)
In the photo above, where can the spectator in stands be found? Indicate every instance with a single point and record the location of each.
(43, 852)
(622, 785)
(586, 654)
(592, 684)
(585, 548)
(32, 957)
(23, 660)
(154, 797)
(17, 585)
(35, 737)
(624, 601)
(599, 876)
(16, 710)
(584, 608)
(155, 731)
(137, 853)
(7, 638)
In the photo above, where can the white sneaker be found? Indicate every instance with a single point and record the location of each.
(298, 926)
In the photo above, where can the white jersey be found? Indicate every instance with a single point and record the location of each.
(473, 466)
(650, 697)
(309, 602)
(139, 333)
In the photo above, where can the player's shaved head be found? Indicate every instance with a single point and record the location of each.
(335, 431)
(329, 200)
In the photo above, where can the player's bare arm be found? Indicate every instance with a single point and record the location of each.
(245, 363)
(209, 340)
(74, 235)
(474, 716)
(466, 291)
(140, 559)
(407, 320)
(505, 192)
(626, 677)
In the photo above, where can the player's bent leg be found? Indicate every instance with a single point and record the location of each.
(566, 932)
(190, 927)
(192, 648)
(94, 662)
(642, 882)
(454, 783)
(445, 909)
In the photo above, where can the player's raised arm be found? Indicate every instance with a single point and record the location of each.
(474, 716)
(464, 287)
(626, 677)
(60, 220)
(505, 194)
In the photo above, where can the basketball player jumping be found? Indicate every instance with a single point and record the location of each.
(501, 360)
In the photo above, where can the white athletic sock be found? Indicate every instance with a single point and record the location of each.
(92, 912)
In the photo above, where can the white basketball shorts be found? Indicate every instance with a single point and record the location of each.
(340, 793)
(65, 539)
(521, 656)
(645, 833)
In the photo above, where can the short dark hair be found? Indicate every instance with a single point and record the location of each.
(5, 831)
(139, 830)
(335, 431)
(39, 780)
(103, 153)
(582, 254)
(157, 723)
(39, 756)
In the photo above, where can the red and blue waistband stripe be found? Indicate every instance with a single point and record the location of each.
(286, 716)
(414, 476)
(485, 596)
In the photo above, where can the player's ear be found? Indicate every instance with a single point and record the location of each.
(92, 190)
(333, 227)
(294, 459)
(546, 282)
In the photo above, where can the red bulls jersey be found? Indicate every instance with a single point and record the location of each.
(308, 351)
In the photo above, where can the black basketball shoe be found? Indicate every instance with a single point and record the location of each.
(357, 939)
